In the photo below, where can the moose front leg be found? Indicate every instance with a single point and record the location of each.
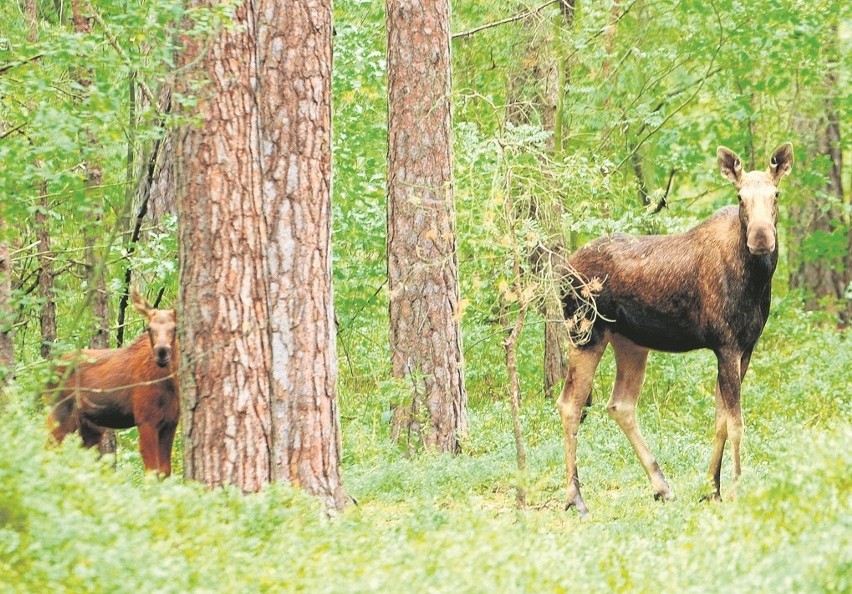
(729, 418)
(149, 436)
(167, 436)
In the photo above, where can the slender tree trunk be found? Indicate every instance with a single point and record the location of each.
(826, 275)
(511, 347)
(425, 334)
(96, 278)
(47, 317)
(152, 198)
(253, 195)
(609, 39)
(555, 333)
(7, 351)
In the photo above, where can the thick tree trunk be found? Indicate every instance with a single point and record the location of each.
(223, 311)
(425, 333)
(253, 196)
(295, 109)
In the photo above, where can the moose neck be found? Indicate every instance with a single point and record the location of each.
(758, 268)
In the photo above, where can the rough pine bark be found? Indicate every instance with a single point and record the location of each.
(223, 312)
(295, 110)
(256, 319)
(425, 335)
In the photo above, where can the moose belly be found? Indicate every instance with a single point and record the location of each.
(111, 415)
(658, 329)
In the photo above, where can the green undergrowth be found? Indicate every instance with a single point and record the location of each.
(439, 523)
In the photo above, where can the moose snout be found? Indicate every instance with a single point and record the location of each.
(162, 355)
(761, 240)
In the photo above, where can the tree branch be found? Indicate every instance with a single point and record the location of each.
(122, 54)
(7, 67)
(518, 17)
(663, 203)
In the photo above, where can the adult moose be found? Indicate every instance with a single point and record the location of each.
(119, 388)
(706, 288)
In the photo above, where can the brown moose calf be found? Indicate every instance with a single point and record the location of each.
(121, 388)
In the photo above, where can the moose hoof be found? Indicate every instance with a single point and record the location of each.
(664, 496)
(711, 497)
(580, 506)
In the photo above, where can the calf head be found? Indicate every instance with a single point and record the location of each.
(758, 195)
(161, 328)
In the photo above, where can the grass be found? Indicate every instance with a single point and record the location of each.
(437, 523)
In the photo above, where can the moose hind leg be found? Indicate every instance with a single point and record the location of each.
(630, 360)
(90, 433)
(582, 362)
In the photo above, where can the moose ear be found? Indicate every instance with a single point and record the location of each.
(781, 162)
(730, 164)
(139, 302)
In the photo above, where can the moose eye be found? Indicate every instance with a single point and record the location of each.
(777, 194)
(740, 197)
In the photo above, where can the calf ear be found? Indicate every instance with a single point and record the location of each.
(730, 164)
(139, 302)
(781, 162)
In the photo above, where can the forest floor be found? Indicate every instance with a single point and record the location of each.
(440, 523)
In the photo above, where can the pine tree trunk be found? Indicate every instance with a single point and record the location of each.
(257, 328)
(295, 109)
(425, 335)
(224, 316)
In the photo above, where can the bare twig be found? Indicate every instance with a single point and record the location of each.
(518, 17)
(7, 67)
(11, 131)
(663, 203)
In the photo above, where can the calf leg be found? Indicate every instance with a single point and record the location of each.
(149, 437)
(582, 362)
(630, 360)
(61, 426)
(90, 433)
(167, 436)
